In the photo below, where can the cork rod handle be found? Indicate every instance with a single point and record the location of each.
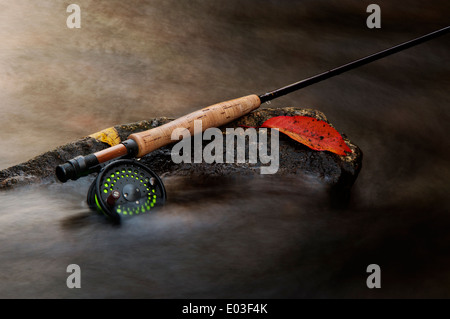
(212, 116)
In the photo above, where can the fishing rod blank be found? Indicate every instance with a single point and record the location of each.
(349, 66)
(140, 144)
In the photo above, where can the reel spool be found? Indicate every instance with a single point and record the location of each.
(126, 188)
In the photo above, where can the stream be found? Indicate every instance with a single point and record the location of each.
(231, 237)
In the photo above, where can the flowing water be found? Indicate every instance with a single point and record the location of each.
(261, 237)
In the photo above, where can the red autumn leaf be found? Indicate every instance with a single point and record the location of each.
(314, 133)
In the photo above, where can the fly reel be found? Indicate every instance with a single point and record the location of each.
(126, 188)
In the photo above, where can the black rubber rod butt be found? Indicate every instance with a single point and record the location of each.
(84, 165)
(76, 167)
(349, 66)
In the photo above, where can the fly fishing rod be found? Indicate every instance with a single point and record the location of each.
(140, 144)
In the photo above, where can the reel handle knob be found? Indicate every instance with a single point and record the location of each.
(112, 198)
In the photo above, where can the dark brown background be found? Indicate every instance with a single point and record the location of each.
(134, 60)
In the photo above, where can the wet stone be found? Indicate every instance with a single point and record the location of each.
(336, 172)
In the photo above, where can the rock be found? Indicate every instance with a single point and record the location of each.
(337, 172)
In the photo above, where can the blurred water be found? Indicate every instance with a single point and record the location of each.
(256, 238)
